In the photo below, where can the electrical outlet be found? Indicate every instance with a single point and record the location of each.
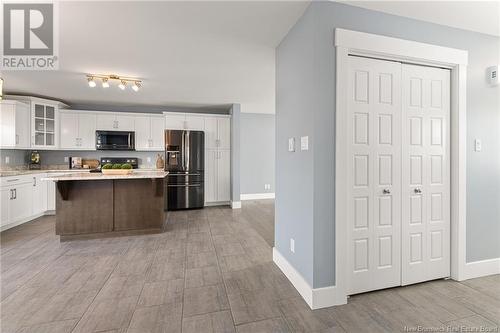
(7, 159)
(291, 144)
(304, 143)
(66, 159)
(292, 245)
(267, 186)
(477, 145)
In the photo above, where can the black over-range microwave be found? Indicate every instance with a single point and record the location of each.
(115, 140)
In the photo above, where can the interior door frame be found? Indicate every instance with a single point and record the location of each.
(348, 42)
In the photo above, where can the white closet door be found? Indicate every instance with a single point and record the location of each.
(426, 174)
(374, 222)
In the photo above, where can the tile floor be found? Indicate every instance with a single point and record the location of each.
(212, 271)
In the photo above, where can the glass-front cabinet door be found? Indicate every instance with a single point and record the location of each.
(44, 118)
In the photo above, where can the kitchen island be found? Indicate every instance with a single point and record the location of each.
(90, 205)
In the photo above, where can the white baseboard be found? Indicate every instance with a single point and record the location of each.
(217, 203)
(257, 196)
(235, 204)
(315, 298)
(481, 268)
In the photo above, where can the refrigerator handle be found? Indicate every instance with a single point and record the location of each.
(188, 152)
(183, 149)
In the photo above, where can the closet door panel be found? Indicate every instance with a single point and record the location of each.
(426, 174)
(375, 160)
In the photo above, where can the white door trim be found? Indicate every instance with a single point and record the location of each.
(382, 47)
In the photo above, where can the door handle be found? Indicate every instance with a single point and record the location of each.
(417, 190)
(386, 191)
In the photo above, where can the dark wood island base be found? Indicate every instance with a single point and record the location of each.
(109, 207)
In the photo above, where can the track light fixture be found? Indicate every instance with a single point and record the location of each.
(106, 79)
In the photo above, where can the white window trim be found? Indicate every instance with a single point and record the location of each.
(382, 47)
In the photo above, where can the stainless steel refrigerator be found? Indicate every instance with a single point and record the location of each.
(185, 162)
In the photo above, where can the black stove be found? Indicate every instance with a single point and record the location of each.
(133, 161)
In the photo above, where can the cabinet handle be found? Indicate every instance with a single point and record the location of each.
(12, 180)
(11, 194)
(17, 139)
(15, 194)
(34, 181)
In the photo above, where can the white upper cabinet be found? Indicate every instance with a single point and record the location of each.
(149, 133)
(106, 121)
(194, 123)
(86, 130)
(157, 133)
(142, 133)
(44, 125)
(184, 122)
(77, 130)
(115, 122)
(224, 133)
(175, 121)
(217, 132)
(211, 133)
(14, 124)
(125, 123)
(69, 130)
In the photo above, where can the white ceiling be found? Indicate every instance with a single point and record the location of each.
(189, 54)
(196, 53)
(479, 16)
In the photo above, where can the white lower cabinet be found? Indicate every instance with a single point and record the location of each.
(17, 194)
(224, 175)
(217, 175)
(51, 196)
(39, 194)
(24, 198)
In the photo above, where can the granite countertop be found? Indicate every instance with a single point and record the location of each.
(13, 173)
(99, 176)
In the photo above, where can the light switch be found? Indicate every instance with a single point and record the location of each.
(291, 144)
(477, 145)
(304, 143)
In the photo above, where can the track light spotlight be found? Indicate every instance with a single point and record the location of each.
(136, 86)
(122, 85)
(91, 81)
(105, 83)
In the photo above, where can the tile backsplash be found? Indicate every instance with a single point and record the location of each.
(19, 158)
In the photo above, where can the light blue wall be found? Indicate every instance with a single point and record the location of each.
(306, 89)
(295, 105)
(257, 135)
